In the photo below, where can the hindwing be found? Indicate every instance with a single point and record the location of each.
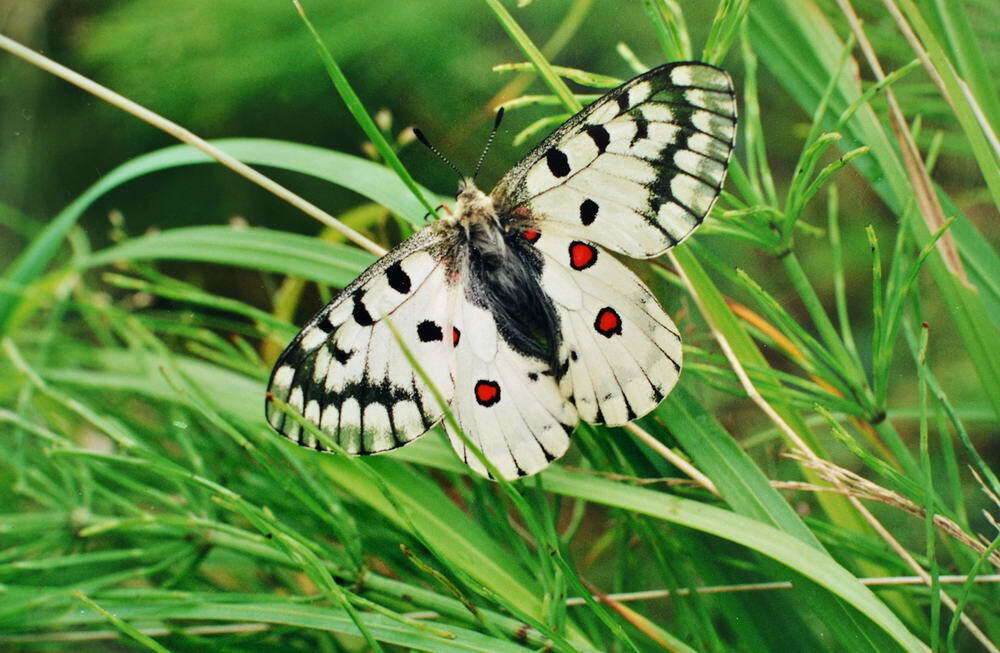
(619, 352)
(507, 402)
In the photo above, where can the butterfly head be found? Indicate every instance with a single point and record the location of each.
(473, 206)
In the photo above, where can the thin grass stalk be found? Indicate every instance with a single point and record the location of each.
(357, 109)
(185, 136)
(758, 169)
(925, 461)
(123, 626)
(991, 480)
(668, 455)
(727, 22)
(667, 20)
(927, 199)
(968, 56)
(885, 581)
(719, 314)
(967, 592)
(853, 371)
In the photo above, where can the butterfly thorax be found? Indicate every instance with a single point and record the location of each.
(504, 271)
(476, 218)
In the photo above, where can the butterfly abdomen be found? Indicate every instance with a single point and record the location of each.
(507, 283)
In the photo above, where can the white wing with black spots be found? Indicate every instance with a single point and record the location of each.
(637, 170)
(508, 404)
(346, 373)
(620, 354)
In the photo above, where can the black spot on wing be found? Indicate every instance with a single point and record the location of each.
(428, 331)
(600, 136)
(398, 279)
(558, 162)
(641, 129)
(623, 104)
(340, 355)
(588, 211)
(629, 413)
(360, 313)
(326, 325)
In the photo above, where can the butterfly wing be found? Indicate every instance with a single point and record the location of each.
(637, 170)
(619, 353)
(507, 402)
(345, 371)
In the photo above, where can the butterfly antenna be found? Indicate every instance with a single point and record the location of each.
(423, 139)
(489, 141)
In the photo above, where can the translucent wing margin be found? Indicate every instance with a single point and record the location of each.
(637, 170)
(345, 371)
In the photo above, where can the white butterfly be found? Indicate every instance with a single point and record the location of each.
(513, 305)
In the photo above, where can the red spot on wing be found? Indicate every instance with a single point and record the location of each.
(487, 392)
(581, 255)
(456, 335)
(531, 235)
(608, 323)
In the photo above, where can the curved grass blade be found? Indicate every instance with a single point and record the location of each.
(255, 248)
(365, 177)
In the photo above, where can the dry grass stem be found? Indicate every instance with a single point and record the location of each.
(935, 76)
(674, 459)
(100, 635)
(885, 581)
(923, 188)
(984, 487)
(862, 488)
(635, 480)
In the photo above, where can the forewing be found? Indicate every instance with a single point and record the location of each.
(637, 170)
(620, 353)
(345, 371)
(507, 403)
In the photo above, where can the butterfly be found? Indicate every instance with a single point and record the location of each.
(514, 304)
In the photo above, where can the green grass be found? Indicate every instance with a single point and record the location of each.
(148, 503)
